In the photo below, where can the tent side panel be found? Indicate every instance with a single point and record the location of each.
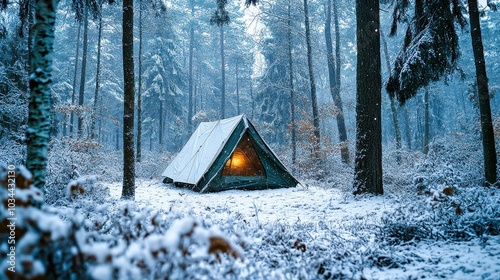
(213, 174)
(277, 173)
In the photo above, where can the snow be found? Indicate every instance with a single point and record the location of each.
(53, 224)
(178, 228)
(333, 225)
(463, 260)
(102, 272)
(287, 205)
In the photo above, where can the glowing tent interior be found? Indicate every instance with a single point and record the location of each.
(227, 154)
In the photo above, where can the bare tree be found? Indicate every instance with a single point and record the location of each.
(312, 83)
(334, 83)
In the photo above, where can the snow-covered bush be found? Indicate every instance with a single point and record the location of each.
(454, 161)
(34, 238)
(153, 164)
(102, 239)
(449, 214)
(67, 160)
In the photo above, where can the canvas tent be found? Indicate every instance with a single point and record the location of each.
(227, 154)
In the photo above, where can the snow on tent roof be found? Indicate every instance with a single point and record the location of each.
(195, 158)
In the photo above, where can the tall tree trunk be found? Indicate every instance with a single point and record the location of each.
(139, 90)
(489, 150)
(391, 100)
(291, 85)
(407, 128)
(195, 97)
(223, 74)
(73, 94)
(40, 84)
(337, 46)
(191, 51)
(31, 22)
(252, 99)
(81, 95)
(200, 89)
(99, 132)
(128, 191)
(368, 162)
(237, 89)
(425, 148)
(334, 88)
(160, 124)
(312, 83)
(117, 138)
(151, 143)
(97, 77)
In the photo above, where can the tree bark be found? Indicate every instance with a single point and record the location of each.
(368, 161)
(223, 74)
(191, 51)
(312, 84)
(128, 191)
(252, 99)
(200, 89)
(407, 128)
(81, 94)
(334, 87)
(73, 94)
(97, 77)
(30, 6)
(489, 150)
(237, 89)
(425, 149)
(160, 124)
(292, 89)
(117, 138)
(40, 84)
(139, 91)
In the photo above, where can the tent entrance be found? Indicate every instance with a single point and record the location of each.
(244, 162)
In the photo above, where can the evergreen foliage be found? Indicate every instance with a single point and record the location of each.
(430, 49)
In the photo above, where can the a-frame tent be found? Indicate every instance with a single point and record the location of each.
(227, 154)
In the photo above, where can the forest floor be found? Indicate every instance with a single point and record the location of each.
(288, 205)
(322, 212)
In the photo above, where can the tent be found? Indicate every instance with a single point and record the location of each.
(227, 154)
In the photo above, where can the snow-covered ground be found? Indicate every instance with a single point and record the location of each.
(446, 260)
(289, 205)
(325, 211)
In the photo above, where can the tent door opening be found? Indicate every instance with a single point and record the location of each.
(244, 162)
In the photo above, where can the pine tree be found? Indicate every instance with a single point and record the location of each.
(430, 49)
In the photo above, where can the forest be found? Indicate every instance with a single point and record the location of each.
(373, 128)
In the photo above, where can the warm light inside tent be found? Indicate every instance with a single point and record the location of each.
(244, 161)
(238, 159)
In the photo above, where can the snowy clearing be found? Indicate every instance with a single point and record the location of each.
(321, 214)
(289, 205)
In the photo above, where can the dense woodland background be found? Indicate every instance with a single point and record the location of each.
(179, 79)
(289, 66)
